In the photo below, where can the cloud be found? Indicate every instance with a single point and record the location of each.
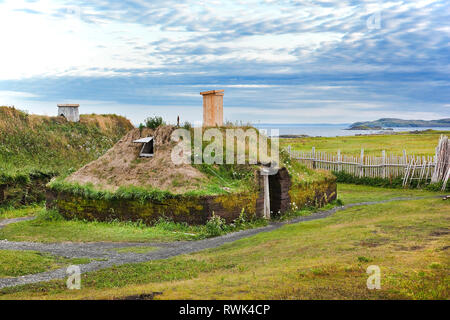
(4, 94)
(271, 55)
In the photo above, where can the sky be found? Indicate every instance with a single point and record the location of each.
(279, 61)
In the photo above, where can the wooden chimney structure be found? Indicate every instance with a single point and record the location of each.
(212, 108)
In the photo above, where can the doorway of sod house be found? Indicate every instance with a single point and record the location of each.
(275, 194)
(147, 149)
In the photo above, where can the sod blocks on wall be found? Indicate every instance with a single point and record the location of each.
(180, 208)
(195, 209)
(23, 189)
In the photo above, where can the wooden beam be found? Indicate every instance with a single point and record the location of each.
(266, 197)
(218, 92)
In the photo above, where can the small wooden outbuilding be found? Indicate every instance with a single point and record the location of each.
(212, 108)
(69, 111)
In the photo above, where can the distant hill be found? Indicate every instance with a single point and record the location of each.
(399, 123)
(33, 143)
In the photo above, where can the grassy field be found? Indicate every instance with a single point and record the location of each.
(418, 144)
(80, 231)
(350, 193)
(18, 263)
(50, 227)
(322, 259)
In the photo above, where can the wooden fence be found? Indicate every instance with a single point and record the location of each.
(423, 169)
(442, 170)
(383, 166)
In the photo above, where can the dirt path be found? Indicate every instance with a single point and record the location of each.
(107, 256)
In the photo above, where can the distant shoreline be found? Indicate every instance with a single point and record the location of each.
(298, 136)
(303, 131)
(390, 123)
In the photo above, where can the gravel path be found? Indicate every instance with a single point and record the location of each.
(107, 256)
(5, 222)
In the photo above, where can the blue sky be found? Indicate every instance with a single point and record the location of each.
(279, 61)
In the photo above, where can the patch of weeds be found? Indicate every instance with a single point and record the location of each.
(187, 125)
(364, 259)
(178, 180)
(435, 265)
(215, 226)
(168, 225)
(306, 211)
(319, 272)
(136, 161)
(154, 122)
(50, 215)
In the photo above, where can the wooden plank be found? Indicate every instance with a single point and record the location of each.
(313, 156)
(211, 92)
(266, 197)
(362, 163)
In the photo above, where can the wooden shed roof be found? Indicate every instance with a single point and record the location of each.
(144, 140)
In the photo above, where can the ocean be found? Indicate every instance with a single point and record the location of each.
(328, 130)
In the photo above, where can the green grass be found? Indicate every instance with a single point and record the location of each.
(142, 250)
(33, 149)
(237, 178)
(350, 193)
(80, 231)
(51, 227)
(10, 213)
(88, 191)
(321, 259)
(18, 263)
(418, 144)
(302, 175)
(31, 143)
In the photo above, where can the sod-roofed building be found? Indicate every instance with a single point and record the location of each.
(128, 184)
(137, 180)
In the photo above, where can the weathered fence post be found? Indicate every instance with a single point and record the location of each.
(384, 164)
(339, 161)
(434, 177)
(422, 171)
(313, 156)
(405, 162)
(362, 164)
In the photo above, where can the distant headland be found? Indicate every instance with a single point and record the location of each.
(387, 123)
